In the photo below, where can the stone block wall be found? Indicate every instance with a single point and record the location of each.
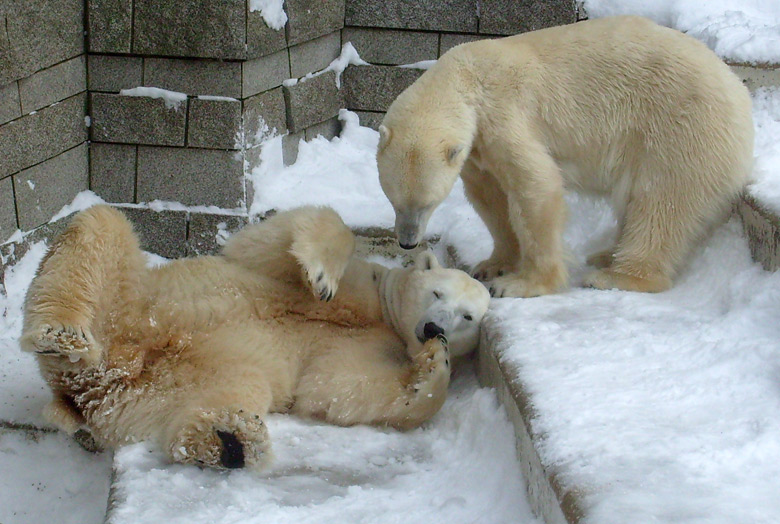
(42, 107)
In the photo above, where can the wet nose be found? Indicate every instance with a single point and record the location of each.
(430, 330)
(407, 246)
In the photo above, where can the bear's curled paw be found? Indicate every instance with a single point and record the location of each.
(58, 340)
(323, 283)
(433, 367)
(224, 439)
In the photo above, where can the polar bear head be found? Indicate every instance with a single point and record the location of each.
(427, 300)
(422, 149)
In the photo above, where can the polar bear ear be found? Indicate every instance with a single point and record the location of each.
(453, 152)
(426, 260)
(384, 136)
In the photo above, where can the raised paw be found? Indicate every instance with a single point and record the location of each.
(225, 439)
(323, 283)
(57, 340)
(433, 361)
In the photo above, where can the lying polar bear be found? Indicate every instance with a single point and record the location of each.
(193, 354)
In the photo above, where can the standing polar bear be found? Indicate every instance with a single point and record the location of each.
(620, 107)
(193, 354)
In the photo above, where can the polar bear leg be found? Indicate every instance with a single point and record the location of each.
(537, 212)
(308, 244)
(490, 203)
(92, 266)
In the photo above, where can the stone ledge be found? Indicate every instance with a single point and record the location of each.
(762, 229)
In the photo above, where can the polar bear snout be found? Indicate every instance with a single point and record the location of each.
(431, 330)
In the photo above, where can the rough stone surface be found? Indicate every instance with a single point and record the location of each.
(207, 233)
(327, 129)
(161, 232)
(9, 102)
(314, 55)
(136, 120)
(42, 190)
(360, 85)
(7, 209)
(214, 124)
(110, 26)
(194, 77)
(264, 113)
(191, 28)
(13, 252)
(370, 119)
(391, 47)
(762, 229)
(434, 15)
(114, 73)
(309, 19)
(290, 147)
(312, 101)
(508, 17)
(262, 74)
(757, 77)
(190, 176)
(41, 135)
(448, 41)
(53, 84)
(112, 171)
(261, 39)
(38, 34)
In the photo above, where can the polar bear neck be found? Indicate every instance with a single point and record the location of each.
(389, 286)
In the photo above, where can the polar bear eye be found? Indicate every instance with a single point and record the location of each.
(469, 318)
(437, 294)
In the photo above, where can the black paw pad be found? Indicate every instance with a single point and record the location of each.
(232, 450)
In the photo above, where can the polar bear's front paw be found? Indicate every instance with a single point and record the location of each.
(489, 269)
(74, 342)
(225, 439)
(527, 286)
(323, 283)
(433, 366)
(611, 279)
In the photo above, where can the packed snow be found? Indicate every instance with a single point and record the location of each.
(172, 99)
(746, 31)
(272, 12)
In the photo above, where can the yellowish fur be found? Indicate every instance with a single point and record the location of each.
(620, 107)
(193, 354)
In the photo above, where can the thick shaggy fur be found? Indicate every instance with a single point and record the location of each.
(620, 107)
(194, 353)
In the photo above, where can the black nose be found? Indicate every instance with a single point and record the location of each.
(407, 246)
(430, 330)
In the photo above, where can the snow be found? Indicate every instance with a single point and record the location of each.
(746, 31)
(766, 117)
(272, 12)
(348, 56)
(172, 99)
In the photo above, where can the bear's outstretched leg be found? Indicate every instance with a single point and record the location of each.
(490, 203)
(309, 244)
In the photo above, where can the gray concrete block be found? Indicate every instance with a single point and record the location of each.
(191, 28)
(264, 114)
(10, 107)
(114, 73)
(207, 233)
(328, 129)
(7, 209)
(448, 41)
(194, 77)
(33, 138)
(163, 233)
(53, 84)
(360, 85)
(191, 176)
(38, 34)
(290, 144)
(110, 28)
(15, 251)
(262, 74)
(214, 124)
(136, 120)
(314, 55)
(508, 17)
(391, 47)
(312, 101)
(261, 40)
(112, 171)
(435, 15)
(309, 19)
(42, 190)
(370, 119)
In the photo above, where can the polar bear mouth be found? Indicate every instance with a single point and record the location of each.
(428, 330)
